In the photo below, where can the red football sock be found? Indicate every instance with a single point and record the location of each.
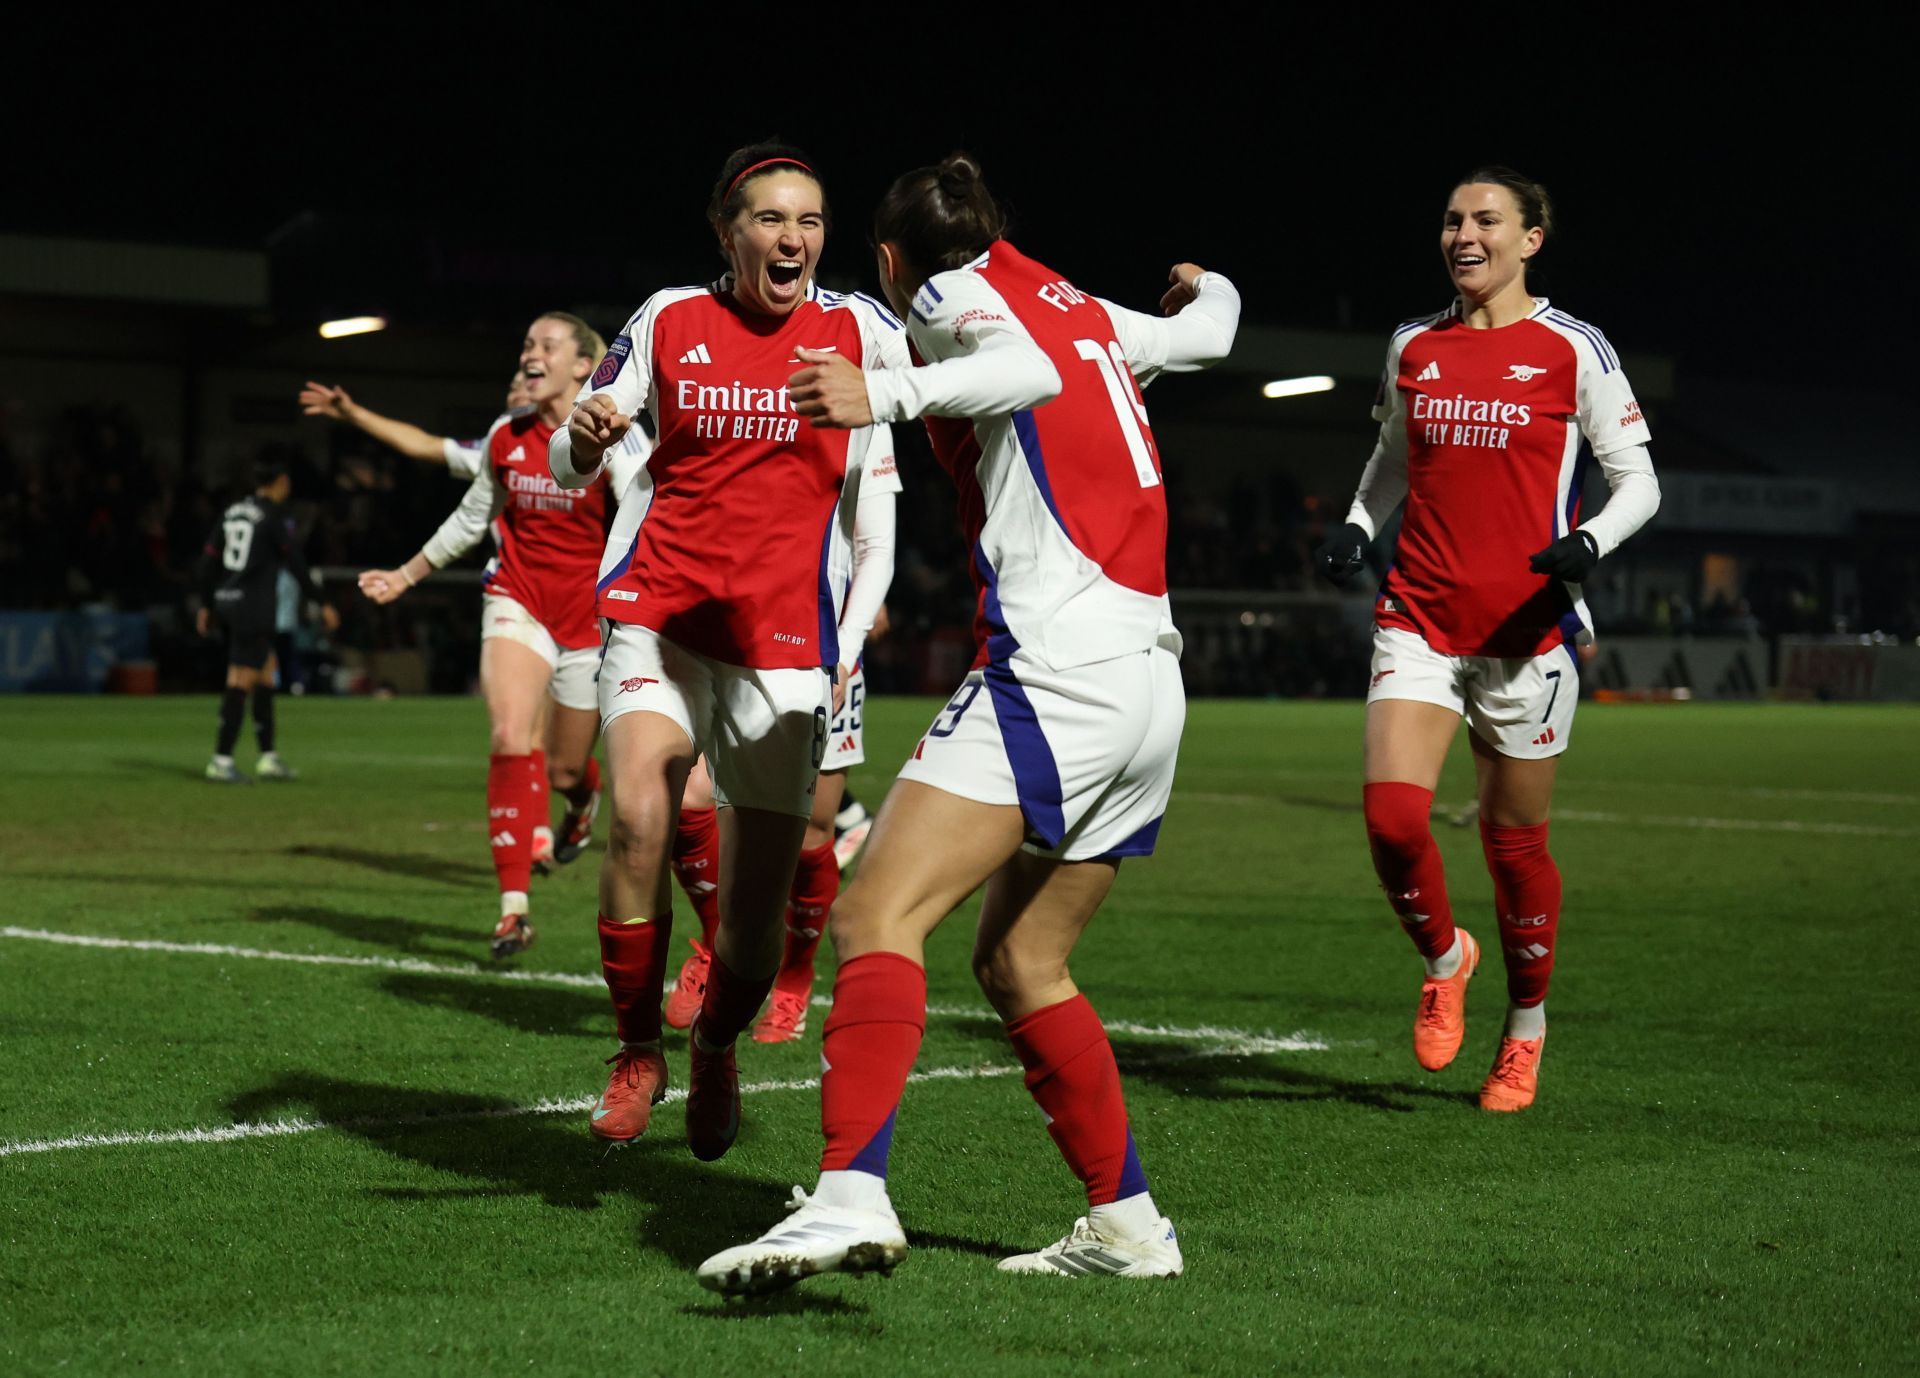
(1526, 895)
(589, 781)
(1071, 1074)
(696, 865)
(730, 1004)
(1408, 863)
(633, 957)
(872, 1036)
(816, 880)
(537, 777)
(511, 820)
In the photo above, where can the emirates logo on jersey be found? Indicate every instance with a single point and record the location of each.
(1483, 423)
(738, 411)
(539, 493)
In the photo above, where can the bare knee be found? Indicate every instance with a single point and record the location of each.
(511, 740)
(856, 924)
(1017, 982)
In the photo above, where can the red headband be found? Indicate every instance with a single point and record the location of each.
(767, 162)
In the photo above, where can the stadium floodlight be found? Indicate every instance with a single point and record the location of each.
(1297, 387)
(351, 325)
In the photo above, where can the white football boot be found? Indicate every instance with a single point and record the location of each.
(816, 1238)
(1087, 1252)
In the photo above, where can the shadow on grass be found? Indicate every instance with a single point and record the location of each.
(526, 1008)
(1209, 1072)
(419, 865)
(171, 769)
(386, 930)
(687, 1211)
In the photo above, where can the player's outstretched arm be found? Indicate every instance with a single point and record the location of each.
(1202, 317)
(317, 399)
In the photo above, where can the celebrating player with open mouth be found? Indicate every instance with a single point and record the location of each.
(539, 636)
(1482, 411)
(1055, 758)
(719, 585)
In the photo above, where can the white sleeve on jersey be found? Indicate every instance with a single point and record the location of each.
(1383, 484)
(625, 375)
(873, 542)
(1198, 337)
(625, 460)
(1609, 417)
(464, 461)
(1633, 498)
(980, 360)
(462, 530)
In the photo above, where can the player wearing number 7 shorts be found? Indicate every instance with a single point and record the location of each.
(1484, 411)
(1053, 761)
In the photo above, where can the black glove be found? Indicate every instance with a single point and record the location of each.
(1572, 557)
(1342, 554)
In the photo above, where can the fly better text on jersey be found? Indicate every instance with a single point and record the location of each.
(735, 411)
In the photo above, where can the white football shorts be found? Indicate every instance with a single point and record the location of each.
(763, 732)
(846, 736)
(1521, 706)
(573, 669)
(1087, 753)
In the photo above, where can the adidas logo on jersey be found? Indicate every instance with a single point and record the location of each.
(1429, 374)
(519, 452)
(697, 355)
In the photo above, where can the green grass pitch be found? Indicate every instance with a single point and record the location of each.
(1720, 1175)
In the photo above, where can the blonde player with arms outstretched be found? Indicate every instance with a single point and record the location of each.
(1055, 758)
(539, 636)
(1483, 409)
(723, 636)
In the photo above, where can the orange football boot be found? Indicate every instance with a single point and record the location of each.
(1515, 1075)
(1441, 1021)
(638, 1083)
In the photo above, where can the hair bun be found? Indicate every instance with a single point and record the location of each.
(958, 176)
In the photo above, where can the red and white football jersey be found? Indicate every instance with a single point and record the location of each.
(1492, 423)
(549, 538)
(1060, 492)
(724, 542)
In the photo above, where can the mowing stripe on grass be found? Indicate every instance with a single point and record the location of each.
(273, 1129)
(1241, 1041)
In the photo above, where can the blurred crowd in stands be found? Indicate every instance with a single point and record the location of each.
(88, 516)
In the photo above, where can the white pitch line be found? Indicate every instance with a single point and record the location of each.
(273, 1129)
(319, 959)
(1236, 1040)
(1743, 825)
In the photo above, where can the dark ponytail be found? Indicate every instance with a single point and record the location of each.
(940, 217)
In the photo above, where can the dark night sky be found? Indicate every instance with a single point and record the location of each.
(1712, 197)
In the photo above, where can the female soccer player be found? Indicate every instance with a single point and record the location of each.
(539, 637)
(718, 586)
(1055, 758)
(861, 573)
(1482, 411)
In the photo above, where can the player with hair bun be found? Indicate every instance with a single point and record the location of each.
(1053, 760)
(1483, 409)
(539, 648)
(724, 586)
